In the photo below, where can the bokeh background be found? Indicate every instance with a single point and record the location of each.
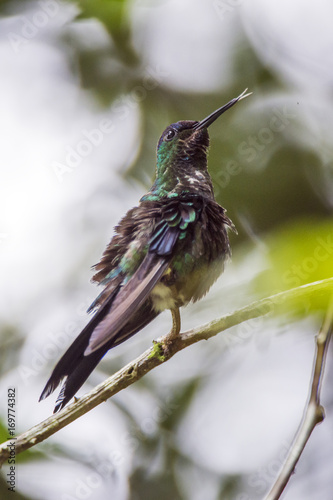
(86, 89)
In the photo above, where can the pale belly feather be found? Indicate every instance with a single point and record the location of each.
(191, 288)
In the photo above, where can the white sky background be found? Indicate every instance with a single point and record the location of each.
(51, 230)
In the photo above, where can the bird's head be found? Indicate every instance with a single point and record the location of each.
(182, 150)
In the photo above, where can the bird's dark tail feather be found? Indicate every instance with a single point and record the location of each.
(76, 367)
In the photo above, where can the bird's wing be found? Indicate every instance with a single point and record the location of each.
(176, 216)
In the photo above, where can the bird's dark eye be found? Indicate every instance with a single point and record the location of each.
(170, 135)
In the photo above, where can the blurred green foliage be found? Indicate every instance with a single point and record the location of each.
(300, 252)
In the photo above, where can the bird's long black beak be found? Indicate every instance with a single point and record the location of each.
(213, 116)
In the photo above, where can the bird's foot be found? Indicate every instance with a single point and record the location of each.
(174, 332)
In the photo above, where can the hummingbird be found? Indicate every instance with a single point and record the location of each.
(165, 252)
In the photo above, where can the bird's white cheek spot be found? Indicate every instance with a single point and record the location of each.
(199, 175)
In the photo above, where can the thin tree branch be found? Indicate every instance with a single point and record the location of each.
(314, 412)
(158, 354)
